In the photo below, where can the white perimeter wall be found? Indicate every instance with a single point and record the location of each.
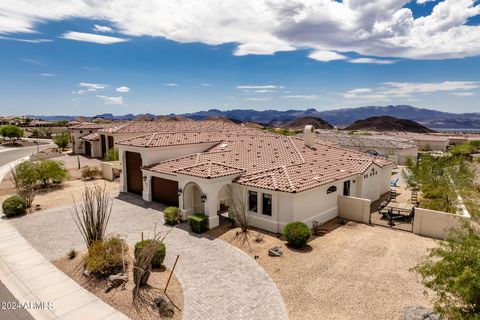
(435, 224)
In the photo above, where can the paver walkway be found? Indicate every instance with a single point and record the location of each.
(218, 280)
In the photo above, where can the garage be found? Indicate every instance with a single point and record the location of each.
(88, 148)
(134, 173)
(165, 191)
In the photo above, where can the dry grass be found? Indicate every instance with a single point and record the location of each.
(119, 299)
(59, 195)
(354, 272)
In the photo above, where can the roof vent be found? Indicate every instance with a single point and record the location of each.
(309, 136)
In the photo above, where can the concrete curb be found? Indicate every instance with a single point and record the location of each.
(38, 284)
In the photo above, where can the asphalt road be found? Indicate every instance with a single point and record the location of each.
(6, 297)
(17, 153)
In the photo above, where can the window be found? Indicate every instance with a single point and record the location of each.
(346, 188)
(331, 189)
(267, 204)
(252, 201)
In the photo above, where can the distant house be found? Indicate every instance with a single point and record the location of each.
(202, 167)
(83, 142)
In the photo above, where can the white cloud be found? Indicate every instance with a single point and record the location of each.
(47, 74)
(463, 94)
(262, 87)
(112, 100)
(90, 37)
(171, 84)
(301, 96)
(98, 28)
(205, 84)
(93, 86)
(25, 40)
(326, 56)
(405, 90)
(371, 60)
(424, 1)
(32, 61)
(330, 28)
(123, 89)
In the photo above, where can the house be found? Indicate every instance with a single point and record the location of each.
(394, 148)
(82, 130)
(279, 179)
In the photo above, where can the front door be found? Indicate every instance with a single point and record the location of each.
(134, 172)
(346, 188)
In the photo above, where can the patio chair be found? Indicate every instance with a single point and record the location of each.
(393, 183)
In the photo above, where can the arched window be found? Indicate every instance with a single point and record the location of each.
(331, 189)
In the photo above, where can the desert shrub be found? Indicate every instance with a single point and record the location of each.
(111, 155)
(62, 140)
(160, 251)
(72, 254)
(25, 181)
(11, 132)
(171, 215)
(51, 171)
(198, 222)
(297, 234)
(106, 257)
(91, 173)
(14, 206)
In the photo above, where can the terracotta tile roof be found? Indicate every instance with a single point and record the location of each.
(209, 170)
(272, 161)
(90, 125)
(162, 139)
(173, 126)
(91, 137)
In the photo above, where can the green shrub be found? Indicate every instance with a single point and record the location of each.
(297, 234)
(62, 140)
(171, 215)
(198, 222)
(11, 131)
(111, 155)
(160, 251)
(51, 171)
(13, 206)
(106, 257)
(91, 173)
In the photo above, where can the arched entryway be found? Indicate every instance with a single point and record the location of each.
(192, 198)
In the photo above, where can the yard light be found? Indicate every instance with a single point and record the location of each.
(179, 191)
(203, 197)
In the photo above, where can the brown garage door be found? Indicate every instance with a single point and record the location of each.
(165, 191)
(134, 173)
(88, 148)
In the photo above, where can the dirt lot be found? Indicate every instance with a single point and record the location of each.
(354, 272)
(122, 299)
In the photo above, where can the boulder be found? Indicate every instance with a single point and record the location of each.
(115, 281)
(164, 307)
(420, 313)
(275, 251)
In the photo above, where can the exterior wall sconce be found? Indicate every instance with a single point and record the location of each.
(144, 178)
(179, 191)
(203, 197)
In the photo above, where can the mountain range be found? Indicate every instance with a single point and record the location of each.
(340, 117)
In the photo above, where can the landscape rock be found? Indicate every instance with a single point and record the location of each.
(275, 251)
(164, 307)
(115, 281)
(420, 313)
(86, 273)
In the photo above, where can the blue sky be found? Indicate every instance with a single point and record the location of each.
(168, 58)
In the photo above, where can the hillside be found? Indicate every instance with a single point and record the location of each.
(301, 122)
(386, 123)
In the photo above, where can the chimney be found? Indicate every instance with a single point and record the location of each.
(309, 136)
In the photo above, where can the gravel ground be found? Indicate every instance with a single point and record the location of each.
(354, 272)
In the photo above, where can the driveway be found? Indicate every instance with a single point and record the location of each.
(219, 281)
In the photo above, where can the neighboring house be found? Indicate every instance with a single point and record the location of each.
(279, 179)
(91, 145)
(81, 130)
(429, 141)
(394, 148)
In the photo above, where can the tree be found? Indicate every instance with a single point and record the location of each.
(62, 140)
(111, 155)
(25, 181)
(50, 170)
(452, 270)
(11, 132)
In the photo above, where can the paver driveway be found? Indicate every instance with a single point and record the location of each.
(218, 280)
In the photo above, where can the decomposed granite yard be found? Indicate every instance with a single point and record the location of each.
(354, 272)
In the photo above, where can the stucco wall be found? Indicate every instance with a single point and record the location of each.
(435, 224)
(355, 209)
